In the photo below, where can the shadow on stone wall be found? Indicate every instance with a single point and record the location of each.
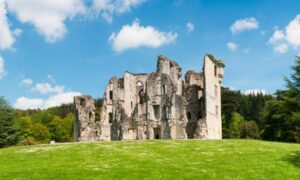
(293, 158)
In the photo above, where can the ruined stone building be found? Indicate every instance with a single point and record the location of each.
(158, 105)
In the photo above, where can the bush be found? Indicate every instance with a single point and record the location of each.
(27, 142)
(249, 130)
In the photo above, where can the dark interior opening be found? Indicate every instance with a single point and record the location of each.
(111, 95)
(82, 102)
(189, 115)
(156, 133)
(110, 117)
(199, 115)
(156, 109)
(90, 115)
(141, 96)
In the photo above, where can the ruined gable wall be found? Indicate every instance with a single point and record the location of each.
(213, 73)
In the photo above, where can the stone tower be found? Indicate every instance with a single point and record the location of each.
(210, 127)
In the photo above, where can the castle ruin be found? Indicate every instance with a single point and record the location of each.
(158, 105)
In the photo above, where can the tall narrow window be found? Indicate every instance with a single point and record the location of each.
(216, 90)
(215, 70)
(165, 89)
(111, 95)
(156, 109)
(110, 118)
(217, 110)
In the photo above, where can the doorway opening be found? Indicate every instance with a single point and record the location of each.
(156, 133)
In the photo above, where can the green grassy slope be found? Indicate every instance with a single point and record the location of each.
(168, 159)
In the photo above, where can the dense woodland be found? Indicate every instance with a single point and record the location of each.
(254, 116)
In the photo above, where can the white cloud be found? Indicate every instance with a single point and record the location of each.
(56, 97)
(2, 71)
(62, 98)
(27, 103)
(107, 8)
(52, 101)
(190, 27)
(26, 82)
(232, 46)
(47, 16)
(46, 88)
(281, 48)
(277, 36)
(255, 91)
(6, 35)
(134, 36)
(292, 32)
(244, 24)
(290, 36)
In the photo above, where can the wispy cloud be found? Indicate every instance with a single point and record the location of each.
(244, 25)
(107, 8)
(54, 95)
(232, 46)
(26, 82)
(46, 88)
(190, 27)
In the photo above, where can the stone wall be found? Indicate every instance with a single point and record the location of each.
(85, 126)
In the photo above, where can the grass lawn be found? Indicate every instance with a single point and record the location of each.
(161, 159)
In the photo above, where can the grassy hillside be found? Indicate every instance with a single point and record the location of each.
(168, 159)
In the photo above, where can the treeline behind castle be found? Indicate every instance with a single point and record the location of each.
(252, 116)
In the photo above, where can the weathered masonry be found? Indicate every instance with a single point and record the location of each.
(158, 105)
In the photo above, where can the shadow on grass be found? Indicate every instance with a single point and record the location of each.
(294, 158)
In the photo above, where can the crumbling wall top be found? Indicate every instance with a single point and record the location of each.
(162, 61)
(216, 61)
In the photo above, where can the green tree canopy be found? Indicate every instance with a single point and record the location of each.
(8, 135)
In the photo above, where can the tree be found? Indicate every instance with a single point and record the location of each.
(8, 135)
(282, 122)
(234, 127)
(24, 127)
(40, 132)
(61, 129)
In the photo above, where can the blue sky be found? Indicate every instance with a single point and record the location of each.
(52, 50)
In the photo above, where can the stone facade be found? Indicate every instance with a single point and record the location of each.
(158, 105)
